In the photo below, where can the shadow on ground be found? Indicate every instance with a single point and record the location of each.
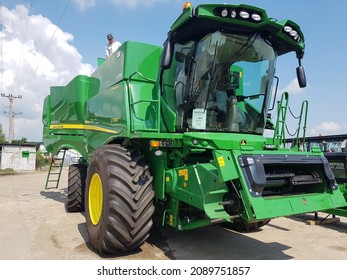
(215, 242)
(338, 226)
(209, 243)
(59, 195)
(212, 242)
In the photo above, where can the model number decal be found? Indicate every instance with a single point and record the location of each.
(221, 161)
(183, 172)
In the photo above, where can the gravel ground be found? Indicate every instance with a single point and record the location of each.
(35, 226)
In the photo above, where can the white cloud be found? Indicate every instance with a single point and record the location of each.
(326, 128)
(46, 60)
(85, 4)
(293, 87)
(131, 4)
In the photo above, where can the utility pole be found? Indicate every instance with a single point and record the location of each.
(12, 128)
(10, 98)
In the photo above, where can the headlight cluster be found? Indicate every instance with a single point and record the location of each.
(238, 14)
(292, 32)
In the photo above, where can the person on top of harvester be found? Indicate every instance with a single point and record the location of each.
(111, 46)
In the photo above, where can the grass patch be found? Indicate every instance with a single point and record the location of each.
(7, 171)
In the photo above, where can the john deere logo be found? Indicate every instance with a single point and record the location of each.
(304, 201)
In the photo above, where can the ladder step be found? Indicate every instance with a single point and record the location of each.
(55, 170)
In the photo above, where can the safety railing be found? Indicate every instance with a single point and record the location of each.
(281, 127)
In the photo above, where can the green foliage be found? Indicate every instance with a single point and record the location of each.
(20, 142)
(41, 160)
(7, 171)
(2, 135)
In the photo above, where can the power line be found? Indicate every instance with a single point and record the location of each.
(50, 41)
(21, 51)
(1, 48)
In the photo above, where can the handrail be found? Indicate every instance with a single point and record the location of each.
(303, 111)
(142, 76)
(279, 134)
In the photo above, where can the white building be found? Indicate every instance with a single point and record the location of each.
(18, 158)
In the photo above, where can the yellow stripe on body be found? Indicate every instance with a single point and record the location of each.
(81, 126)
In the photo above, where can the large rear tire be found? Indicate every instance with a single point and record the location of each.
(119, 200)
(76, 188)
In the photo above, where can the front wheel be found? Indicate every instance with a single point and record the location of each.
(119, 199)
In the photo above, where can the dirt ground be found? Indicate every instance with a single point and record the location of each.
(35, 226)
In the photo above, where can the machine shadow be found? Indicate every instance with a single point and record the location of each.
(209, 243)
(59, 195)
(214, 243)
(338, 226)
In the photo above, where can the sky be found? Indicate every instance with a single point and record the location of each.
(47, 43)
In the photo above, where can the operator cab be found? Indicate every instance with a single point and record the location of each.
(222, 82)
(217, 78)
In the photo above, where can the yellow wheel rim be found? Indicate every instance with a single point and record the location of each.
(95, 199)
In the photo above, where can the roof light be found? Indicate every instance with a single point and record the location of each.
(293, 33)
(297, 38)
(256, 17)
(224, 13)
(244, 14)
(287, 28)
(186, 5)
(233, 14)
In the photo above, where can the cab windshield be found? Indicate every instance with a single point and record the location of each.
(222, 82)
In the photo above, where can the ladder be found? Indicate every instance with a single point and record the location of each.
(55, 169)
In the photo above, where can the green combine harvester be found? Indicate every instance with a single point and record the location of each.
(175, 134)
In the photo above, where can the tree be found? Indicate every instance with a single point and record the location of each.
(19, 142)
(2, 135)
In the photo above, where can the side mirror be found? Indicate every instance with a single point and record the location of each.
(300, 74)
(166, 55)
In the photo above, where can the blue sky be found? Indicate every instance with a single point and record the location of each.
(32, 59)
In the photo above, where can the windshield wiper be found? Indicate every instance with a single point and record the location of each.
(189, 87)
(243, 97)
(236, 55)
(209, 90)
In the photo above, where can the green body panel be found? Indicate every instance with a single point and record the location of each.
(207, 11)
(198, 185)
(199, 177)
(112, 103)
(70, 108)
